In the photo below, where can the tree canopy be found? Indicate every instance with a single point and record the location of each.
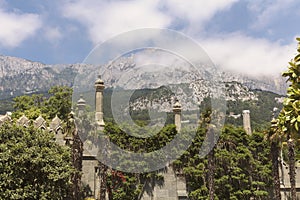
(289, 118)
(33, 166)
(241, 161)
(56, 102)
(288, 121)
(242, 167)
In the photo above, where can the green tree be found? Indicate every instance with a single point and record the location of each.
(33, 166)
(289, 117)
(275, 140)
(241, 166)
(31, 106)
(58, 103)
(194, 167)
(243, 169)
(131, 186)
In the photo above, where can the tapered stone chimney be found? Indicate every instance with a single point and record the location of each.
(246, 121)
(177, 115)
(99, 86)
(81, 106)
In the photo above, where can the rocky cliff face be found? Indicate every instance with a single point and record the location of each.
(192, 94)
(19, 76)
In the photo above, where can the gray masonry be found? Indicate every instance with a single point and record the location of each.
(246, 121)
(174, 184)
(177, 115)
(285, 185)
(99, 86)
(173, 188)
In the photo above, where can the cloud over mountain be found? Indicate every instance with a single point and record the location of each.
(16, 27)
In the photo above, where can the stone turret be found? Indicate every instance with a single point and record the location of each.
(177, 115)
(71, 129)
(55, 126)
(81, 106)
(99, 86)
(5, 118)
(23, 121)
(40, 123)
(246, 121)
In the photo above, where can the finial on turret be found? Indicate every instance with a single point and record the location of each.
(99, 85)
(176, 106)
(81, 101)
(99, 80)
(81, 105)
(71, 114)
(247, 122)
(177, 114)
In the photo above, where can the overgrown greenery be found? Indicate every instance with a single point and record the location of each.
(260, 110)
(131, 186)
(33, 166)
(242, 165)
(57, 102)
(288, 122)
(242, 169)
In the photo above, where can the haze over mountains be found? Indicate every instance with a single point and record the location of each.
(19, 76)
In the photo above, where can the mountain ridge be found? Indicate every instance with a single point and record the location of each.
(19, 76)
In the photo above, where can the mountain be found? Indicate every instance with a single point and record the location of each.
(149, 86)
(19, 76)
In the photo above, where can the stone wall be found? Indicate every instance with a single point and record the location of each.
(285, 181)
(172, 188)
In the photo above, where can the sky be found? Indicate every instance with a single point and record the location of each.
(254, 37)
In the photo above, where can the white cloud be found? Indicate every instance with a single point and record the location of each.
(235, 51)
(196, 12)
(105, 19)
(17, 27)
(53, 34)
(247, 55)
(267, 11)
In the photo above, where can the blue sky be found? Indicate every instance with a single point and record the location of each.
(249, 36)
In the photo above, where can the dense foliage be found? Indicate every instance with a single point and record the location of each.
(33, 166)
(242, 165)
(131, 186)
(57, 102)
(288, 122)
(289, 118)
(260, 110)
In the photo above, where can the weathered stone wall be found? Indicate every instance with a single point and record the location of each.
(89, 175)
(285, 181)
(173, 187)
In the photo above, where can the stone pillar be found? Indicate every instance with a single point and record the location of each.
(97, 183)
(99, 86)
(246, 121)
(177, 115)
(81, 106)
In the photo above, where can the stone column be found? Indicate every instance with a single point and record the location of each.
(246, 121)
(177, 115)
(81, 106)
(99, 86)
